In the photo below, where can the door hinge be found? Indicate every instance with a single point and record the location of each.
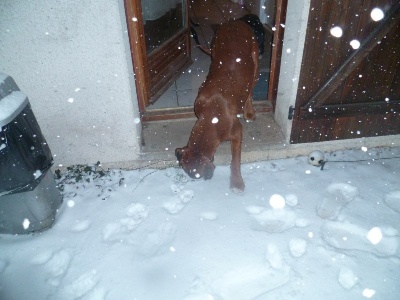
(291, 112)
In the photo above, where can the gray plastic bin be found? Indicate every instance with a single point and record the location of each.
(29, 198)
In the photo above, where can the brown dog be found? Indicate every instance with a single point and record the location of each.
(224, 95)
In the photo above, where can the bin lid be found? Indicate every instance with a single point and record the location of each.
(11, 105)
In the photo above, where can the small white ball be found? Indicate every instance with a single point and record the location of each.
(316, 158)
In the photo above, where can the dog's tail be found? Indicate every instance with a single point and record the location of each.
(196, 39)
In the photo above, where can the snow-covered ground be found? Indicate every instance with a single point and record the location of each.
(297, 232)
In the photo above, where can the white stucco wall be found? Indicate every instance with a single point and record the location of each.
(292, 54)
(71, 58)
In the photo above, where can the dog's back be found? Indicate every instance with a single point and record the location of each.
(233, 71)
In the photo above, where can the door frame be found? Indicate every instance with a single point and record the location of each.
(148, 89)
(276, 55)
(134, 19)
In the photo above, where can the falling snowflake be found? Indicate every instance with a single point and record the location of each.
(336, 31)
(368, 293)
(26, 223)
(377, 14)
(375, 235)
(355, 44)
(277, 201)
(37, 174)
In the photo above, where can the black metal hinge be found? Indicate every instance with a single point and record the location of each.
(291, 112)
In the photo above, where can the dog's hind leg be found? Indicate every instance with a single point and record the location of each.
(248, 110)
(237, 184)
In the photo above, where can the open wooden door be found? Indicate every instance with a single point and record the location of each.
(276, 55)
(159, 37)
(349, 90)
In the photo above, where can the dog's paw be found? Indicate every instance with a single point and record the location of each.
(237, 191)
(237, 184)
(249, 117)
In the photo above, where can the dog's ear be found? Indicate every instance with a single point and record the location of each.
(208, 168)
(179, 153)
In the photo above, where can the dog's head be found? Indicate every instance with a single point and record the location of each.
(196, 166)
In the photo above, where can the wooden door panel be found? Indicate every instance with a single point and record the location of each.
(165, 65)
(157, 65)
(345, 93)
(377, 78)
(352, 127)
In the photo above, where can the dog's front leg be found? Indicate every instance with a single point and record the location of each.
(237, 184)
